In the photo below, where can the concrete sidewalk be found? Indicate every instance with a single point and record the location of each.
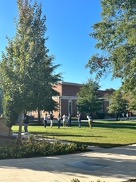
(109, 165)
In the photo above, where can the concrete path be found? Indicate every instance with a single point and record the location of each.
(109, 165)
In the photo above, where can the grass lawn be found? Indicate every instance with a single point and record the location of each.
(103, 133)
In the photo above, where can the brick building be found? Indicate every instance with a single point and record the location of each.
(68, 98)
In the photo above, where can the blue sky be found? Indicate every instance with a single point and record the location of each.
(69, 23)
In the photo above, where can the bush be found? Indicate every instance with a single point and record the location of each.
(10, 114)
(76, 180)
(100, 115)
(38, 149)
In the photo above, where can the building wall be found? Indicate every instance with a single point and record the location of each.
(68, 97)
(70, 89)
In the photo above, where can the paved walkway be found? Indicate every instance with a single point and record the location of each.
(109, 165)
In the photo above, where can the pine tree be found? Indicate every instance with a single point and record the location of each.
(87, 99)
(28, 72)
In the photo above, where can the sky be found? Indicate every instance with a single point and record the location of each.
(69, 23)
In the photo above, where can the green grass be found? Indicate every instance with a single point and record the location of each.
(103, 133)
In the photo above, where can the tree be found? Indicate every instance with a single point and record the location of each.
(118, 103)
(1, 98)
(116, 39)
(87, 98)
(28, 72)
(41, 69)
(131, 100)
(10, 115)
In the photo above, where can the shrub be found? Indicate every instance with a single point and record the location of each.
(75, 180)
(100, 115)
(39, 148)
(10, 114)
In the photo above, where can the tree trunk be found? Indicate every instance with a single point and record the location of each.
(21, 118)
(39, 117)
(10, 131)
(117, 116)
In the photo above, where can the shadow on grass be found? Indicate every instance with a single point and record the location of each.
(115, 125)
(61, 135)
(56, 136)
(109, 124)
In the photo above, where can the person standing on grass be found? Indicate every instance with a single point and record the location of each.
(51, 120)
(26, 121)
(79, 119)
(90, 120)
(69, 120)
(64, 117)
(59, 120)
(45, 120)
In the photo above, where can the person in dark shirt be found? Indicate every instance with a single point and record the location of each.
(45, 119)
(59, 120)
(69, 120)
(26, 121)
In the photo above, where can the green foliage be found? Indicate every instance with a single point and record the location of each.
(131, 100)
(10, 114)
(117, 39)
(28, 72)
(87, 98)
(38, 149)
(100, 115)
(75, 180)
(1, 100)
(118, 103)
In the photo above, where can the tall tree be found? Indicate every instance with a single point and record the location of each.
(118, 103)
(1, 98)
(28, 72)
(41, 69)
(131, 100)
(87, 98)
(117, 40)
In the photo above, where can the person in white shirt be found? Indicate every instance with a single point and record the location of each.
(64, 117)
(79, 119)
(90, 120)
(51, 120)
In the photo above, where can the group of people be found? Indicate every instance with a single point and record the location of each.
(66, 120)
(89, 118)
(46, 118)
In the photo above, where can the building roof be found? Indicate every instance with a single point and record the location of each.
(70, 83)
